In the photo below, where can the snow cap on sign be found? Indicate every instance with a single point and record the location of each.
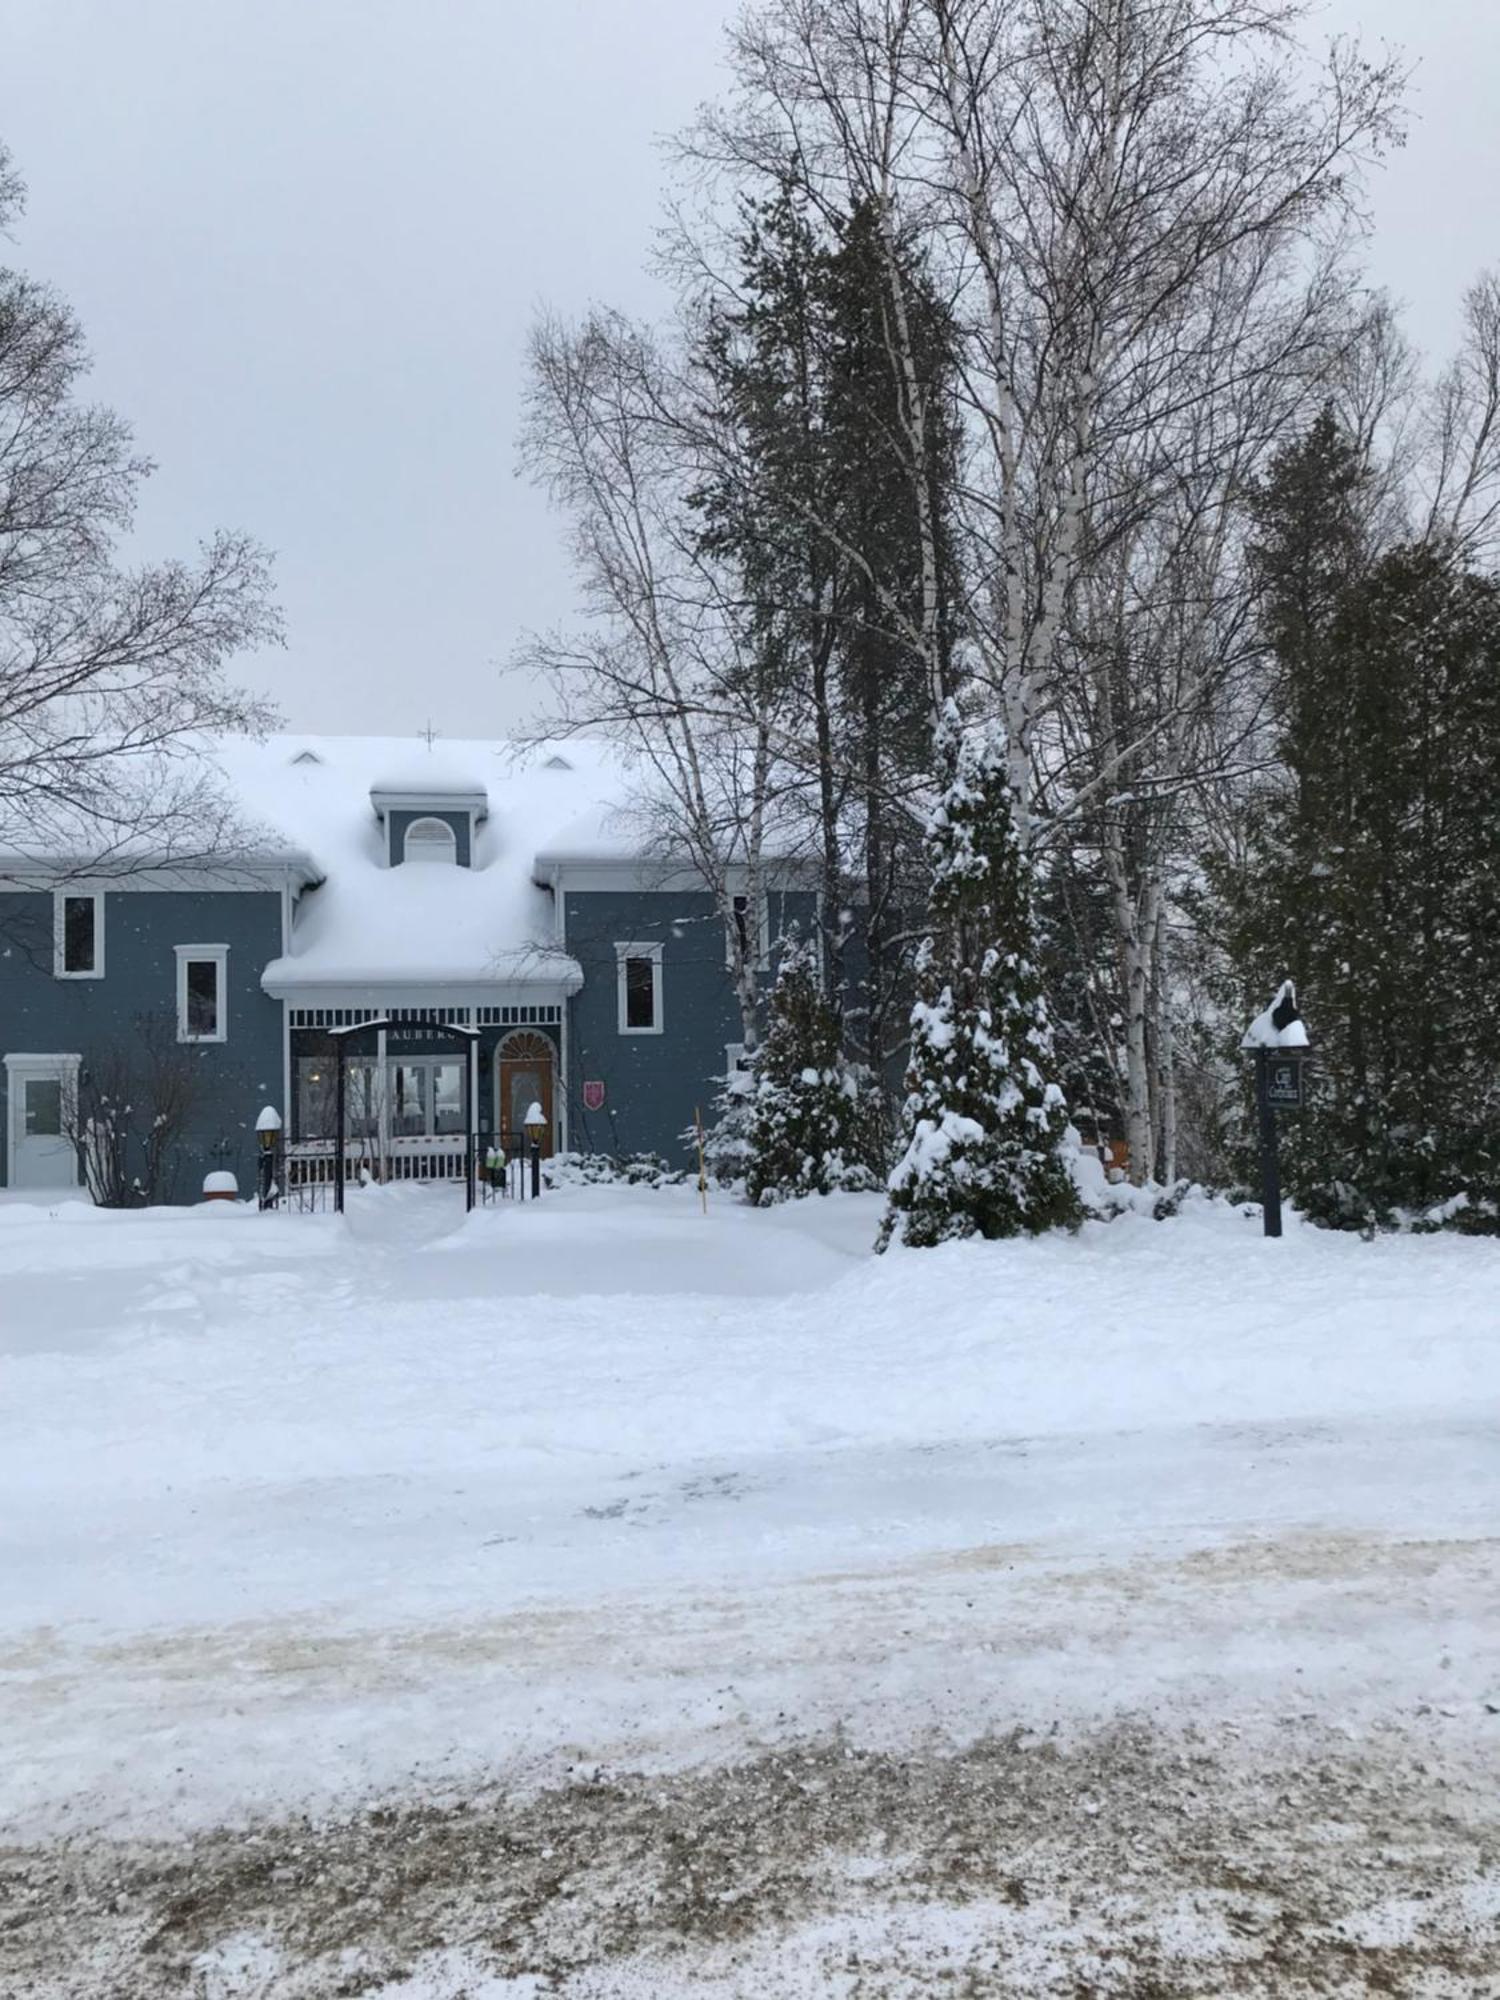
(1280, 1026)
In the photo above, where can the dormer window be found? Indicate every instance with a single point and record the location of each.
(430, 815)
(431, 840)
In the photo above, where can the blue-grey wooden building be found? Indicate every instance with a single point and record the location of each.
(515, 892)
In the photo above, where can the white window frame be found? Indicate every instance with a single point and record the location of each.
(217, 954)
(60, 900)
(623, 953)
(761, 956)
(428, 1065)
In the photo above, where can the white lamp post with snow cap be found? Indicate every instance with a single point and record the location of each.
(1277, 1039)
(535, 1123)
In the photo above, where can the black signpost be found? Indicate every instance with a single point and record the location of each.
(418, 1036)
(1280, 1085)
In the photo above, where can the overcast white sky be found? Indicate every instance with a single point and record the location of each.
(307, 237)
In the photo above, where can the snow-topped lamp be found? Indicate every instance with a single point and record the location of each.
(1277, 1038)
(268, 1139)
(535, 1123)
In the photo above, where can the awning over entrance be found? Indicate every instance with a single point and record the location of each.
(422, 1094)
(389, 1043)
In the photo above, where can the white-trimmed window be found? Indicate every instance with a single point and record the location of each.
(639, 976)
(754, 937)
(202, 992)
(78, 933)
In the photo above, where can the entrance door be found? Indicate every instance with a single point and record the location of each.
(525, 1073)
(39, 1094)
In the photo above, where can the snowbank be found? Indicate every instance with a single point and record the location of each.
(298, 1506)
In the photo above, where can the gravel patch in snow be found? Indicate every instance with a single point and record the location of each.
(1131, 1863)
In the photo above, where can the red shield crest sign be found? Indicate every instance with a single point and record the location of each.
(593, 1096)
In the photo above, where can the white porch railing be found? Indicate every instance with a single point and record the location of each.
(309, 1167)
(311, 1161)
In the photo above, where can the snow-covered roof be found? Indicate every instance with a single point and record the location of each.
(312, 809)
(615, 829)
(433, 781)
(367, 923)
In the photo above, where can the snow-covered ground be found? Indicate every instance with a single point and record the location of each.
(593, 1598)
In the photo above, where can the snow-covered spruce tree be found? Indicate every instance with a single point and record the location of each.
(807, 1109)
(726, 1139)
(984, 1121)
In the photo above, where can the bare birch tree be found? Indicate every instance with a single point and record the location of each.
(1139, 206)
(663, 665)
(1461, 474)
(107, 675)
(1109, 163)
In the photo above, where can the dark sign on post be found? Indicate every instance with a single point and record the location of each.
(1278, 1041)
(1284, 1090)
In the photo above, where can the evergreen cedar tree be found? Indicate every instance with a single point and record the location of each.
(818, 503)
(807, 1109)
(984, 1120)
(1370, 867)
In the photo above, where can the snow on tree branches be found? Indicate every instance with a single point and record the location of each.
(984, 1121)
(807, 1109)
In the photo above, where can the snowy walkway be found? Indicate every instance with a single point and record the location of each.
(299, 1515)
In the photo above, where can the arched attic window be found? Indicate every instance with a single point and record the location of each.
(430, 840)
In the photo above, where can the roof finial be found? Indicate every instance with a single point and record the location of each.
(429, 734)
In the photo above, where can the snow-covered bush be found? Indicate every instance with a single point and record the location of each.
(605, 1169)
(985, 1123)
(807, 1112)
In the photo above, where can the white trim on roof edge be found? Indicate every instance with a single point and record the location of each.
(432, 993)
(661, 877)
(272, 871)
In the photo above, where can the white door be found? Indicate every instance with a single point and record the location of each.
(38, 1093)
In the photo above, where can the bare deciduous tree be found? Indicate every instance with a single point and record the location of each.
(129, 1111)
(106, 675)
(1463, 430)
(1139, 206)
(664, 666)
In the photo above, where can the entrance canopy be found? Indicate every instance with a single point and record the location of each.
(401, 1040)
(429, 1037)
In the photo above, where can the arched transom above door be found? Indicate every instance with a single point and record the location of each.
(522, 1046)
